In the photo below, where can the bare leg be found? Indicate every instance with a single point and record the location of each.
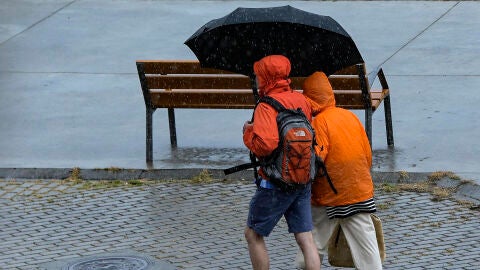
(309, 249)
(257, 249)
(300, 261)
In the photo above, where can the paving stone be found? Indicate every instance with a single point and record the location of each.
(201, 227)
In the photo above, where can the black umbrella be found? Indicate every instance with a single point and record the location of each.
(312, 42)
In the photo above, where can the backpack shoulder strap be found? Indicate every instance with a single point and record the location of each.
(272, 102)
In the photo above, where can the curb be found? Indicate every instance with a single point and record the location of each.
(172, 174)
(464, 190)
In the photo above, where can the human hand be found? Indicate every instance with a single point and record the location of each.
(247, 125)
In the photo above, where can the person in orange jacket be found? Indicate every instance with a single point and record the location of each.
(270, 202)
(345, 149)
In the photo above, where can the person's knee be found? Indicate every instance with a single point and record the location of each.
(301, 243)
(304, 240)
(251, 236)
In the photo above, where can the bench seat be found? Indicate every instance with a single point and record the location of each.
(176, 84)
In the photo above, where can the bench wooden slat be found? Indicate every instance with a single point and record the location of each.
(193, 67)
(177, 67)
(379, 94)
(378, 97)
(198, 82)
(221, 99)
(348, 70)
(203, 99)
(349, 99)
(342, 82)
(233, 82)
(345, 83)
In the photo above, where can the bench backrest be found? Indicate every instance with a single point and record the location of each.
(184, 84)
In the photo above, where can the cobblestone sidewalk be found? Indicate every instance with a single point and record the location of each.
(200, 226)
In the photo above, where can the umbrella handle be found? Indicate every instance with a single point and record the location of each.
(253, 82)
(253, 159)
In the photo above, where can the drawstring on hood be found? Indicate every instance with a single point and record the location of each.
(272, 72)
(319, 92)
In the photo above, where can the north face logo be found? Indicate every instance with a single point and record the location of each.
(300, 133)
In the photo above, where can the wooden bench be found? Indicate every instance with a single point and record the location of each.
(175, 84)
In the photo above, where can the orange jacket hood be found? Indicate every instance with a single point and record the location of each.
(319, 92)
(272, 72)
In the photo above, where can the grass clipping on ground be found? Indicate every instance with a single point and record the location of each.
(204, 177)
(434, 184)
(430, 185)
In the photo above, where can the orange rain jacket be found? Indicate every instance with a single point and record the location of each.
(272, 79)
(342, 144)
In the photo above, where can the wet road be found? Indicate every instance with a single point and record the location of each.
(70, 95)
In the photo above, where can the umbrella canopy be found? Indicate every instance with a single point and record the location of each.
(312, 42)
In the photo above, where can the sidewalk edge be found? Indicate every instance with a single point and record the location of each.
(464, 190)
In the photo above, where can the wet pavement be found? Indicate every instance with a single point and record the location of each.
(70, 97)
(194, 225)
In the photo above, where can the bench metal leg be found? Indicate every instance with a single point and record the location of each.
(387, 107)
(149, 139)
(173, 129)
(368, 124)
(388, 120)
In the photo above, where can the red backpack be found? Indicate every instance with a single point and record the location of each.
(292, 164)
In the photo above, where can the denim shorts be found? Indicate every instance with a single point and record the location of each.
(268, 205)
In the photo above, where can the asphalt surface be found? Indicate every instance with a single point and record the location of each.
(70, 97)
(70, 94)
